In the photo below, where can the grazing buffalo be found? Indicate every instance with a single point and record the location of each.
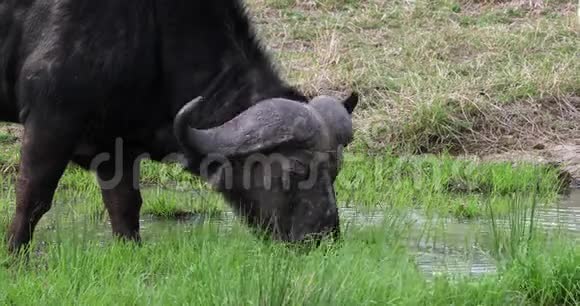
(106, 83)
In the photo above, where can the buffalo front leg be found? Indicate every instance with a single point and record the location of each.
(120, 190)
(45, 152)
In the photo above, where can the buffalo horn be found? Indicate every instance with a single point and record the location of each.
(268, 124)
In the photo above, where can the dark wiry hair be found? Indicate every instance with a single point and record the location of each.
(246, 53)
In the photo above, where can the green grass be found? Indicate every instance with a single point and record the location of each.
(168, 204)
(545, 268)
(8, 153)
(442, 183)
(192, 264)
(6, 139)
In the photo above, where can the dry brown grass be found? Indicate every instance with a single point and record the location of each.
(525, 125)
(436, 75)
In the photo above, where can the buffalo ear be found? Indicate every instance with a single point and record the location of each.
(351, 102)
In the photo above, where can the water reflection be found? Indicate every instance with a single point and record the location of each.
(565, 215)
(449, 245)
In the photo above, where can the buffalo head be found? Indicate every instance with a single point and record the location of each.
(276, 162)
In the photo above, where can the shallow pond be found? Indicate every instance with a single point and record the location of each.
(440, 245)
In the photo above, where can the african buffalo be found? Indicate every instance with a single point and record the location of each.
(165, 76)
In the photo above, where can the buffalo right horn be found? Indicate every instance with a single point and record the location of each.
(263, 126)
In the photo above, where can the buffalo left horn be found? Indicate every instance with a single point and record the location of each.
(263, 126)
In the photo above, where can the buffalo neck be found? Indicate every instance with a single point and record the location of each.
(197, 43)
(199, 40)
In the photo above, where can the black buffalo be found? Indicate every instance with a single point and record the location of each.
(80, 75)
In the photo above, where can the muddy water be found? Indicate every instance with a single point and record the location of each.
(440, 245)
